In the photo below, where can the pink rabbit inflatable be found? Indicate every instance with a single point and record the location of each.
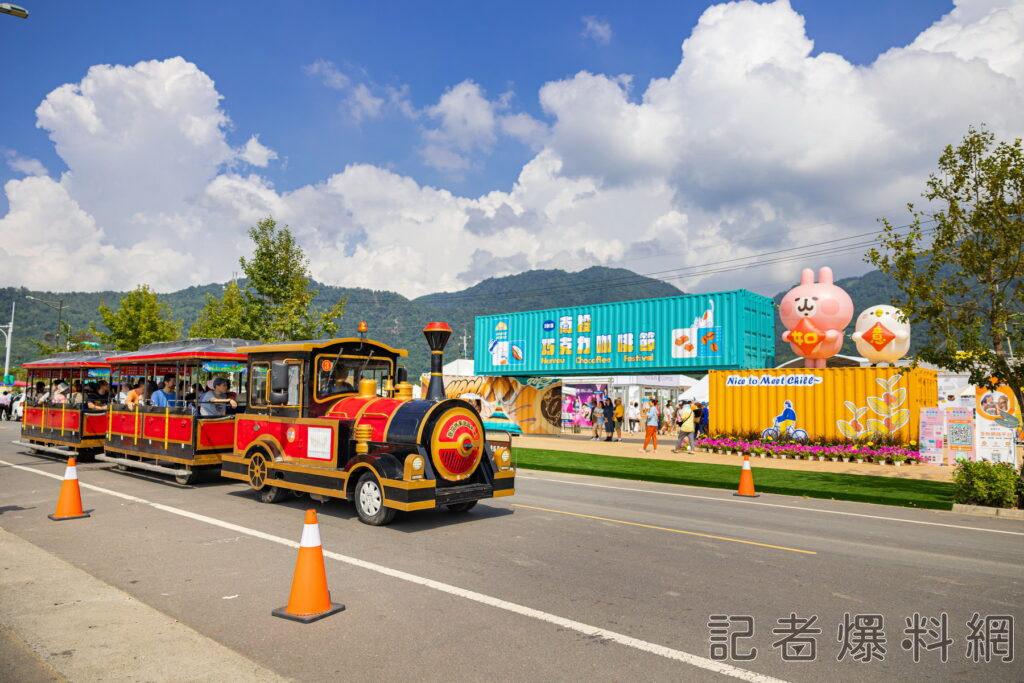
(815, 315)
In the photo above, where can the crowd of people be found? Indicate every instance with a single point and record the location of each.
(212, 399)
(688, 419)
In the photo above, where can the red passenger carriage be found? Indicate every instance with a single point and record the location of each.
(68, 427)
(174, 439)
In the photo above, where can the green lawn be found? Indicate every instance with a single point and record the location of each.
(936, 495)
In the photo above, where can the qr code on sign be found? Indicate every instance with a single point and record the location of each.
(961, 435)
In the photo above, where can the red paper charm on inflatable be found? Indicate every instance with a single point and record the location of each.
(805, 336)
(878, 336)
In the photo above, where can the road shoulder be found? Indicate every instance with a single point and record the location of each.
(84, 629)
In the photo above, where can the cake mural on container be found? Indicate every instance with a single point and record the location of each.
(702, 339)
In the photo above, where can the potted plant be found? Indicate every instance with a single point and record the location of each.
(898, 459)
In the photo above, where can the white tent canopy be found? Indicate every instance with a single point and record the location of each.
(698, 392)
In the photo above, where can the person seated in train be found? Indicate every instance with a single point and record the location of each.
(215, 402)
(77, 396)
(59, 394)
(136, 395)
(97, 399)
(341, 383)
(37, 392)
(195, 393)
(166, 396)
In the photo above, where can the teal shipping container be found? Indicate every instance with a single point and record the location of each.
(687, 334)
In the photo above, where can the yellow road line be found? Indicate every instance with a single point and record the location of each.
(665, 528)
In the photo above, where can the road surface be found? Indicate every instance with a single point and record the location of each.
(572, 578)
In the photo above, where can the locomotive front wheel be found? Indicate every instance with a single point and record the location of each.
(461, 507)
(369, 501)
(258, 475)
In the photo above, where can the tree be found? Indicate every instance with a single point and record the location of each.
(141, 319)
(967, 286)
(278, 292)
(225, 318)
(81, 340)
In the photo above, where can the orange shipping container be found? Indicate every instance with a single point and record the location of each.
(833, 404)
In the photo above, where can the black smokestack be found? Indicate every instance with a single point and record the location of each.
(437, 335)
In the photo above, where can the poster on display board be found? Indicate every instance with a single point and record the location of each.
(932, 437)
(960, 434)
(576, 401)
(999, 407)
(950, 387)
(993, 442)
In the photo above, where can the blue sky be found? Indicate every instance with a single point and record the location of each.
(256, 51)
(423, 147)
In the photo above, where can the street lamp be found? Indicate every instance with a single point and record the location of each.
(56, 305)
(13, 10)
(8, 335)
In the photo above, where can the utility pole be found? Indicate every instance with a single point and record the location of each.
(59, 307)
(9, 334)
(465, 339)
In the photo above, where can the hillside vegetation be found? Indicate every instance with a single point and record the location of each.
(396, 320)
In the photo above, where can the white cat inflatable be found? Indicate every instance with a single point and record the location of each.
(882, 334)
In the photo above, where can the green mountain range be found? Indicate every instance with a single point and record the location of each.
(397, 320)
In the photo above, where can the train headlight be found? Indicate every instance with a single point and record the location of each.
(414, 468)
(503, 458)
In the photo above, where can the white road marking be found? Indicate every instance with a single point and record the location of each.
(515, 608)
(773, 505)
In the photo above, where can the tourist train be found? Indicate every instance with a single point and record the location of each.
(332, 418)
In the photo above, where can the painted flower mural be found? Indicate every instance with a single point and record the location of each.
(889, 419)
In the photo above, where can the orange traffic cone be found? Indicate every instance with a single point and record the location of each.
(309, 600)
(746, 480)
(69, 504)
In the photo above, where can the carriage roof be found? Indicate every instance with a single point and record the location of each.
(184, 351)
(313, 345)
(71, 359)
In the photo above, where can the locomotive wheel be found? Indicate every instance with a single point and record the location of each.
(461, 507)
(369, 500)
(258, 475)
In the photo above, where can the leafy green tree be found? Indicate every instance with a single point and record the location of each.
(227, 317)
(967, 285)
(140, 319)
(279, 294)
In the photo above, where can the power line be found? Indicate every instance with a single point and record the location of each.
(696, 270)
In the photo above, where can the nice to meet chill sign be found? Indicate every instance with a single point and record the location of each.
(773, 380)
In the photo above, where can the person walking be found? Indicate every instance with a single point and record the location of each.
(609, 418)
(5, 405)
(705, 420)
(619, 418)
(685, 422)
(651, 421)
(633, 418)
(597, 418)
(695, 406)
(667, 419)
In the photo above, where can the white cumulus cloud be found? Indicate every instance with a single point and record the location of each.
(598, 30)
(751, 143)
(256, 153)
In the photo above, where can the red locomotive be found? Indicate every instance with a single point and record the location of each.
(336, 419)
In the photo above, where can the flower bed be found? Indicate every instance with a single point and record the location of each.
(861, 452)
